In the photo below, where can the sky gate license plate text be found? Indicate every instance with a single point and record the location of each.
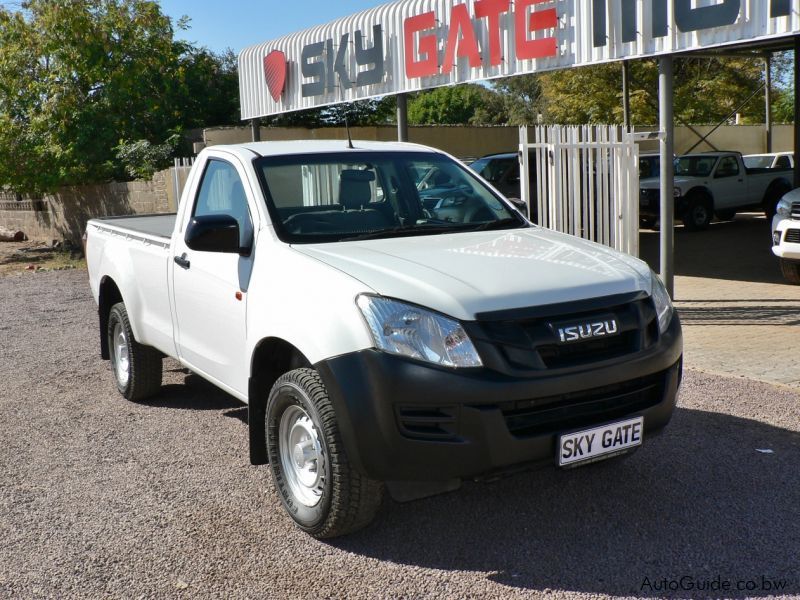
(590, 445)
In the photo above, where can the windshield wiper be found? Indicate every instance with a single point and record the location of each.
(403, 232)
(501, 224)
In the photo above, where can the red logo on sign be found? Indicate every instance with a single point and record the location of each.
(275, 73)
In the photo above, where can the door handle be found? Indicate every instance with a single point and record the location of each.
(183, 262)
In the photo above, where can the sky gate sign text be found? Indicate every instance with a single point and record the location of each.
(411, 45)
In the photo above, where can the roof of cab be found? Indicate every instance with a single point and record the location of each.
(319, 147)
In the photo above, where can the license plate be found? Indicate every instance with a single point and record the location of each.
(598, 443)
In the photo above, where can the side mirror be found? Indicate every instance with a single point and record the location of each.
(519, 205)
(215, 233)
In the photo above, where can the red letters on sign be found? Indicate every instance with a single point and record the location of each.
(461, 41)
(422, 55)
(491, 10)
(539, 20)
(428, 64)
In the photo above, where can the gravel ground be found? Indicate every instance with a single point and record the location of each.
(103, 498)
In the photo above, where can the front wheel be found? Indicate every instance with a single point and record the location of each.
(699, 212)
(137, 368)
(319, 488)
(791, 271)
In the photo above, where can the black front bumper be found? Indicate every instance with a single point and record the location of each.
(403, 420)
(650, 205)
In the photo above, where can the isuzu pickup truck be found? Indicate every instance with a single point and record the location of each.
(786, 236)
(714, 183)
(380, 336)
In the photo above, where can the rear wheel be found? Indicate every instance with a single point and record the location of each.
(699, 211)
(791, 271)
(319, 488)
(137, 368)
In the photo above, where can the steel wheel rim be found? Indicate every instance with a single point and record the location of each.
(700, 214)
(122, 362)
(302, 457)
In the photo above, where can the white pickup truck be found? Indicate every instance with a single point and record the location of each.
(382, 337)
(714, 183)
(786, 236)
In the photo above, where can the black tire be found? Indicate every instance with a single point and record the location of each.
(726, 215)
(145, 364)
(791, 271)
(771, 199)
(699, 212)
(341, 500)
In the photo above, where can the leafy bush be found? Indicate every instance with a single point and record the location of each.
(141, 159)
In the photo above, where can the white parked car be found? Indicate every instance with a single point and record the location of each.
(775, 160)
(786, 236)
(712, 184)
(383, 335)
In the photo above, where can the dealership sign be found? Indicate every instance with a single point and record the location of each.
(419, 44)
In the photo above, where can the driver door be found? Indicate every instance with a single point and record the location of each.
(210, 288)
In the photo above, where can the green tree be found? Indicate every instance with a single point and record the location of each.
(78, 76)
(467, 104)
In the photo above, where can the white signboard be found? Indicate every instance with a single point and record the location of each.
(411, 45)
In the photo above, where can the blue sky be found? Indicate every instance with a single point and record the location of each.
(237, 24)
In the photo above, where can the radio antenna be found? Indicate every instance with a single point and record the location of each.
(346, 121)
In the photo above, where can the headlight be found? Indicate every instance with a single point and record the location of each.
(663, 303)
(784, 210)
(407, 330)
(678, 192)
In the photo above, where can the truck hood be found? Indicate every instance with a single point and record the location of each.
(655, 183)
(464, 274)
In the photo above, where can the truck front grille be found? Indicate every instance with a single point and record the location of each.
(528, 345)
(796, 211)
(793, 236)
(572, 411)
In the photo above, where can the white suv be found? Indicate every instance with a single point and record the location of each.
(786, 236)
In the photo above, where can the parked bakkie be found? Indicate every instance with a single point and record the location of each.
(786, 236)
(382, 338)
(714, 184)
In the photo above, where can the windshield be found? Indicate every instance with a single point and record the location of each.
(695, 166)
(359, 195)
(494, 169)
(758, 162)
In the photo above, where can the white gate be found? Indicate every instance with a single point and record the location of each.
(585, 183)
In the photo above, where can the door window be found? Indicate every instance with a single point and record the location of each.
(728, 167)
(222, 193)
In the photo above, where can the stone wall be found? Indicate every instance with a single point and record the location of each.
(63, 216)
(474, 142)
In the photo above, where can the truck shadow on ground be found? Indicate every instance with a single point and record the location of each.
(714, 496)
(738, 250)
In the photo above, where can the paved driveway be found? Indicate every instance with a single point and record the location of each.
(741, 318)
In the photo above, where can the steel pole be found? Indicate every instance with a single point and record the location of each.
(255, 129)
(768, 98)
(667, 125)
(402, 118)
(797, 111)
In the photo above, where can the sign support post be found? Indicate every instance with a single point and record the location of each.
(402, 118)
(665, 108)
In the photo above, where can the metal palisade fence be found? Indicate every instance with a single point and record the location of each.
(583, 180)
(180, 173)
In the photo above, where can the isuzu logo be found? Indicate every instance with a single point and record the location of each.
(569, 333)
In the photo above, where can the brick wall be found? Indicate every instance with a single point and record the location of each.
(63, 216)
